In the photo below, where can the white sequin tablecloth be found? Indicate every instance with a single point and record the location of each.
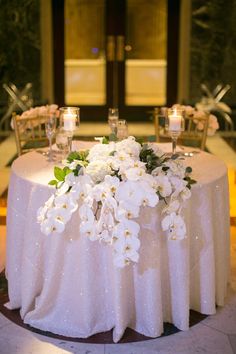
(68, 285)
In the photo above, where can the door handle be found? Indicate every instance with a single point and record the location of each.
(110, 48)
(120, 52)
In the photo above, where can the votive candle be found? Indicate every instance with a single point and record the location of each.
(69, 121)
(175, 122)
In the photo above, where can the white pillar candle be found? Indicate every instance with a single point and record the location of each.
(69, 120)
(175, 122)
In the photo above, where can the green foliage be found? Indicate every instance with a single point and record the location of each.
(53, 182)
(174, 156)
(77, 155)
(140, 140)
(60, 175)
(80, 157)
(112, 137)
(188, 169)
(213, 46)
(190, 181)
(20, 44)
(105, 140)
(151, 160)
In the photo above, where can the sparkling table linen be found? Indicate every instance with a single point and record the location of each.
(68, 285)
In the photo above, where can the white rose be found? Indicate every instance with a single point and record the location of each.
(97, 170)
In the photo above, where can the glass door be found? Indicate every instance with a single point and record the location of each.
(142, 58)
(114, 53)
(146, 53)
(85, 62)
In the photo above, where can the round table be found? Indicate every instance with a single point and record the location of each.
(68, 285)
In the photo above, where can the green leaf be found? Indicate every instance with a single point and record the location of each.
(112, 137)
(82, 155)
(78, 155)
(76, 171)
(174, 156)
(112, 153)
(74, 155)
(105, 140)
(59, 173)
(53, 182)
(190, 181)
(82, 163)
(140, 140)
(67, 170)
(188, 169)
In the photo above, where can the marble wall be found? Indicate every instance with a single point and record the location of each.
(213, 47)
(20, 45)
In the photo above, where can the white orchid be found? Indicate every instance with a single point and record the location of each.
(126, 229)
(112, 183)
(185, 193)
(158, 171)
(57, 213)
(86, 214)
(120, 162)
(64, 187)
(72, 165)
(149, 195)
(82, 189)
(52, 226)
(150, 180)
(120, 260)
(127, 210)
(174, 224)
(88, 229)
(110, 191)
(127, 246)
(41, 213)
(158, 152)
(134, 173)
(176, 168)
(100, 192)
(178, 185)
(71, 179)
(65, 202)
(126, 251)
(105, 225)
(163, 186)
(50, 201)
(129, 190)
(172, 207)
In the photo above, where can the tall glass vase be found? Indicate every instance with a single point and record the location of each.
(175, 125)
(69, 121)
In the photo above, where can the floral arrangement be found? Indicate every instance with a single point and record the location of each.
(213, 124)
(40, 111)
(109, 184)
(34, 113)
